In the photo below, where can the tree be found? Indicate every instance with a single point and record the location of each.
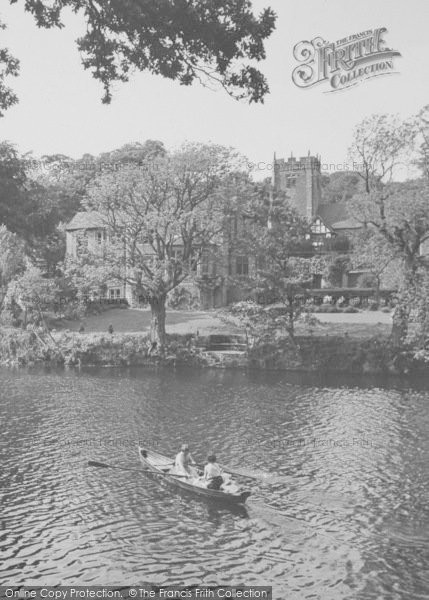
(341, 186)
(381, 144)
(337, 268)
(372, 252)
(260, 323)
(26, 206)
(12, 256)
(399, 213)
(13, 199)
(9, 67)
(31, 294)
(182, 40)
(273, 235)
(12, 259)
(132, 153)
(161, 217)
(421, 125)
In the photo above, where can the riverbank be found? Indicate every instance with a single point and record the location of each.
(313, 353)
(362, 325)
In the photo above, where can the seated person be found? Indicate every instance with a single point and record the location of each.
(183, 462)
(213, 473)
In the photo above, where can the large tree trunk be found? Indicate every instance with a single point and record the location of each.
(400, 320)
(290, 326)
(377, 290)
(157, 325)
(401, 315)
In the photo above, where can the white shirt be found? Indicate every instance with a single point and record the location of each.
(212, 470)
(183, 461)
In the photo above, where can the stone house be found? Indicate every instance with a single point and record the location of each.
(299, 179)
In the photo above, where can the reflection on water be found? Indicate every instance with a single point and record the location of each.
(344, 513)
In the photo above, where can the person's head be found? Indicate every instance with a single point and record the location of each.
(211, 458)
(185, 448)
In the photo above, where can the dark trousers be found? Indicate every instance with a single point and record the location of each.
(215, 483)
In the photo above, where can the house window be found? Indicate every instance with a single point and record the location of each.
(101, 237)
(204, 264)
(114, 293)
(242, 265)
(320, 228)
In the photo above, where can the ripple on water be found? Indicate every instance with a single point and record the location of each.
(344, 514)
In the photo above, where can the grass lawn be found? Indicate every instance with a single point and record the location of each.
(364, 324)
(138, 320)
(361, 325)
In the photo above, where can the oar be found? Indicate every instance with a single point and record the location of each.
(93, 463)
(254, 476)
(247, 475)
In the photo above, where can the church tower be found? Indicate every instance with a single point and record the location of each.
(300, 181)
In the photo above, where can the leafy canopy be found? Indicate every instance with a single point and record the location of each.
(162, 215)
(9, 67)
(183, 40)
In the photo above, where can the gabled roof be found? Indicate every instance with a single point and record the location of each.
(349, 223)
(336, 216)
(319, 218)
(332, 213)
(86, 220)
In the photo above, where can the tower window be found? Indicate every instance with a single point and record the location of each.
(242, 265)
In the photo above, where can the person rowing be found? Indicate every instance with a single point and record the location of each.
(184, 462)
(213, 473)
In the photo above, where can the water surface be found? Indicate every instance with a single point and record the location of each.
(344, 514)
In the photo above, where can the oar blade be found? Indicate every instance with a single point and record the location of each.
(93, 463)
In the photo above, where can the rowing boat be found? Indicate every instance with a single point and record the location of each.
(158, 463)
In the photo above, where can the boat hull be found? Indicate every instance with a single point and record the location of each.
(158, 463)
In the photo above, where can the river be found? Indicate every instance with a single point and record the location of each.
(343, 515)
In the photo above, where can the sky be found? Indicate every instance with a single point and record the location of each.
(60, 109)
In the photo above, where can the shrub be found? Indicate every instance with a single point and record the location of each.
(327, 308)
(182, 298)
(277, 311)
(351, 309)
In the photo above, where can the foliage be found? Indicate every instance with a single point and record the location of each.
(339, 243)
(161, 217)
(421, 125)
(418, 297)
(183, 41)
(181, 298)
(29, 208)
(350, 309)
(87, 276)
(12, 256)
(31, 295)
(9, 67)
(273, 235)
(259, 322)
(341, 186)
(372, 252)
(337, 268)
(397, 212)
(381, 144)
(13, 198)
